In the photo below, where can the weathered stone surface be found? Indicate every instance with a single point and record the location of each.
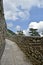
(2, 29)
(13, 55)
(31, 46)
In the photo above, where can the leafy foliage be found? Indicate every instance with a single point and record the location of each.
(11, 32)
(33, 32)
(20, 32)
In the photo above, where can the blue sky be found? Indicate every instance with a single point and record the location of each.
(36, 14)
(20, 15)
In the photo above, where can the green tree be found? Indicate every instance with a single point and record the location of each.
(33, 32)
(20, 32)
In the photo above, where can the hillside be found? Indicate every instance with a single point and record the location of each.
(10, 32)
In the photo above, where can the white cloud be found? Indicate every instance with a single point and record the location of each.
(10, 8)
(18, 28)
(9, 15)
(23, 15)
(9, 25)
(35, 25)
(41, 4)
(26, 32)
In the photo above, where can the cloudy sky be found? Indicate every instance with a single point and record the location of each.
(23, 14)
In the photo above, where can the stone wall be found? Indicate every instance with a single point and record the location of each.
(2, 29)
(31, 46)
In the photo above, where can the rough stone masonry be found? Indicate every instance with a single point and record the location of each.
(31, 46)
(2, 29)
(34, 51)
